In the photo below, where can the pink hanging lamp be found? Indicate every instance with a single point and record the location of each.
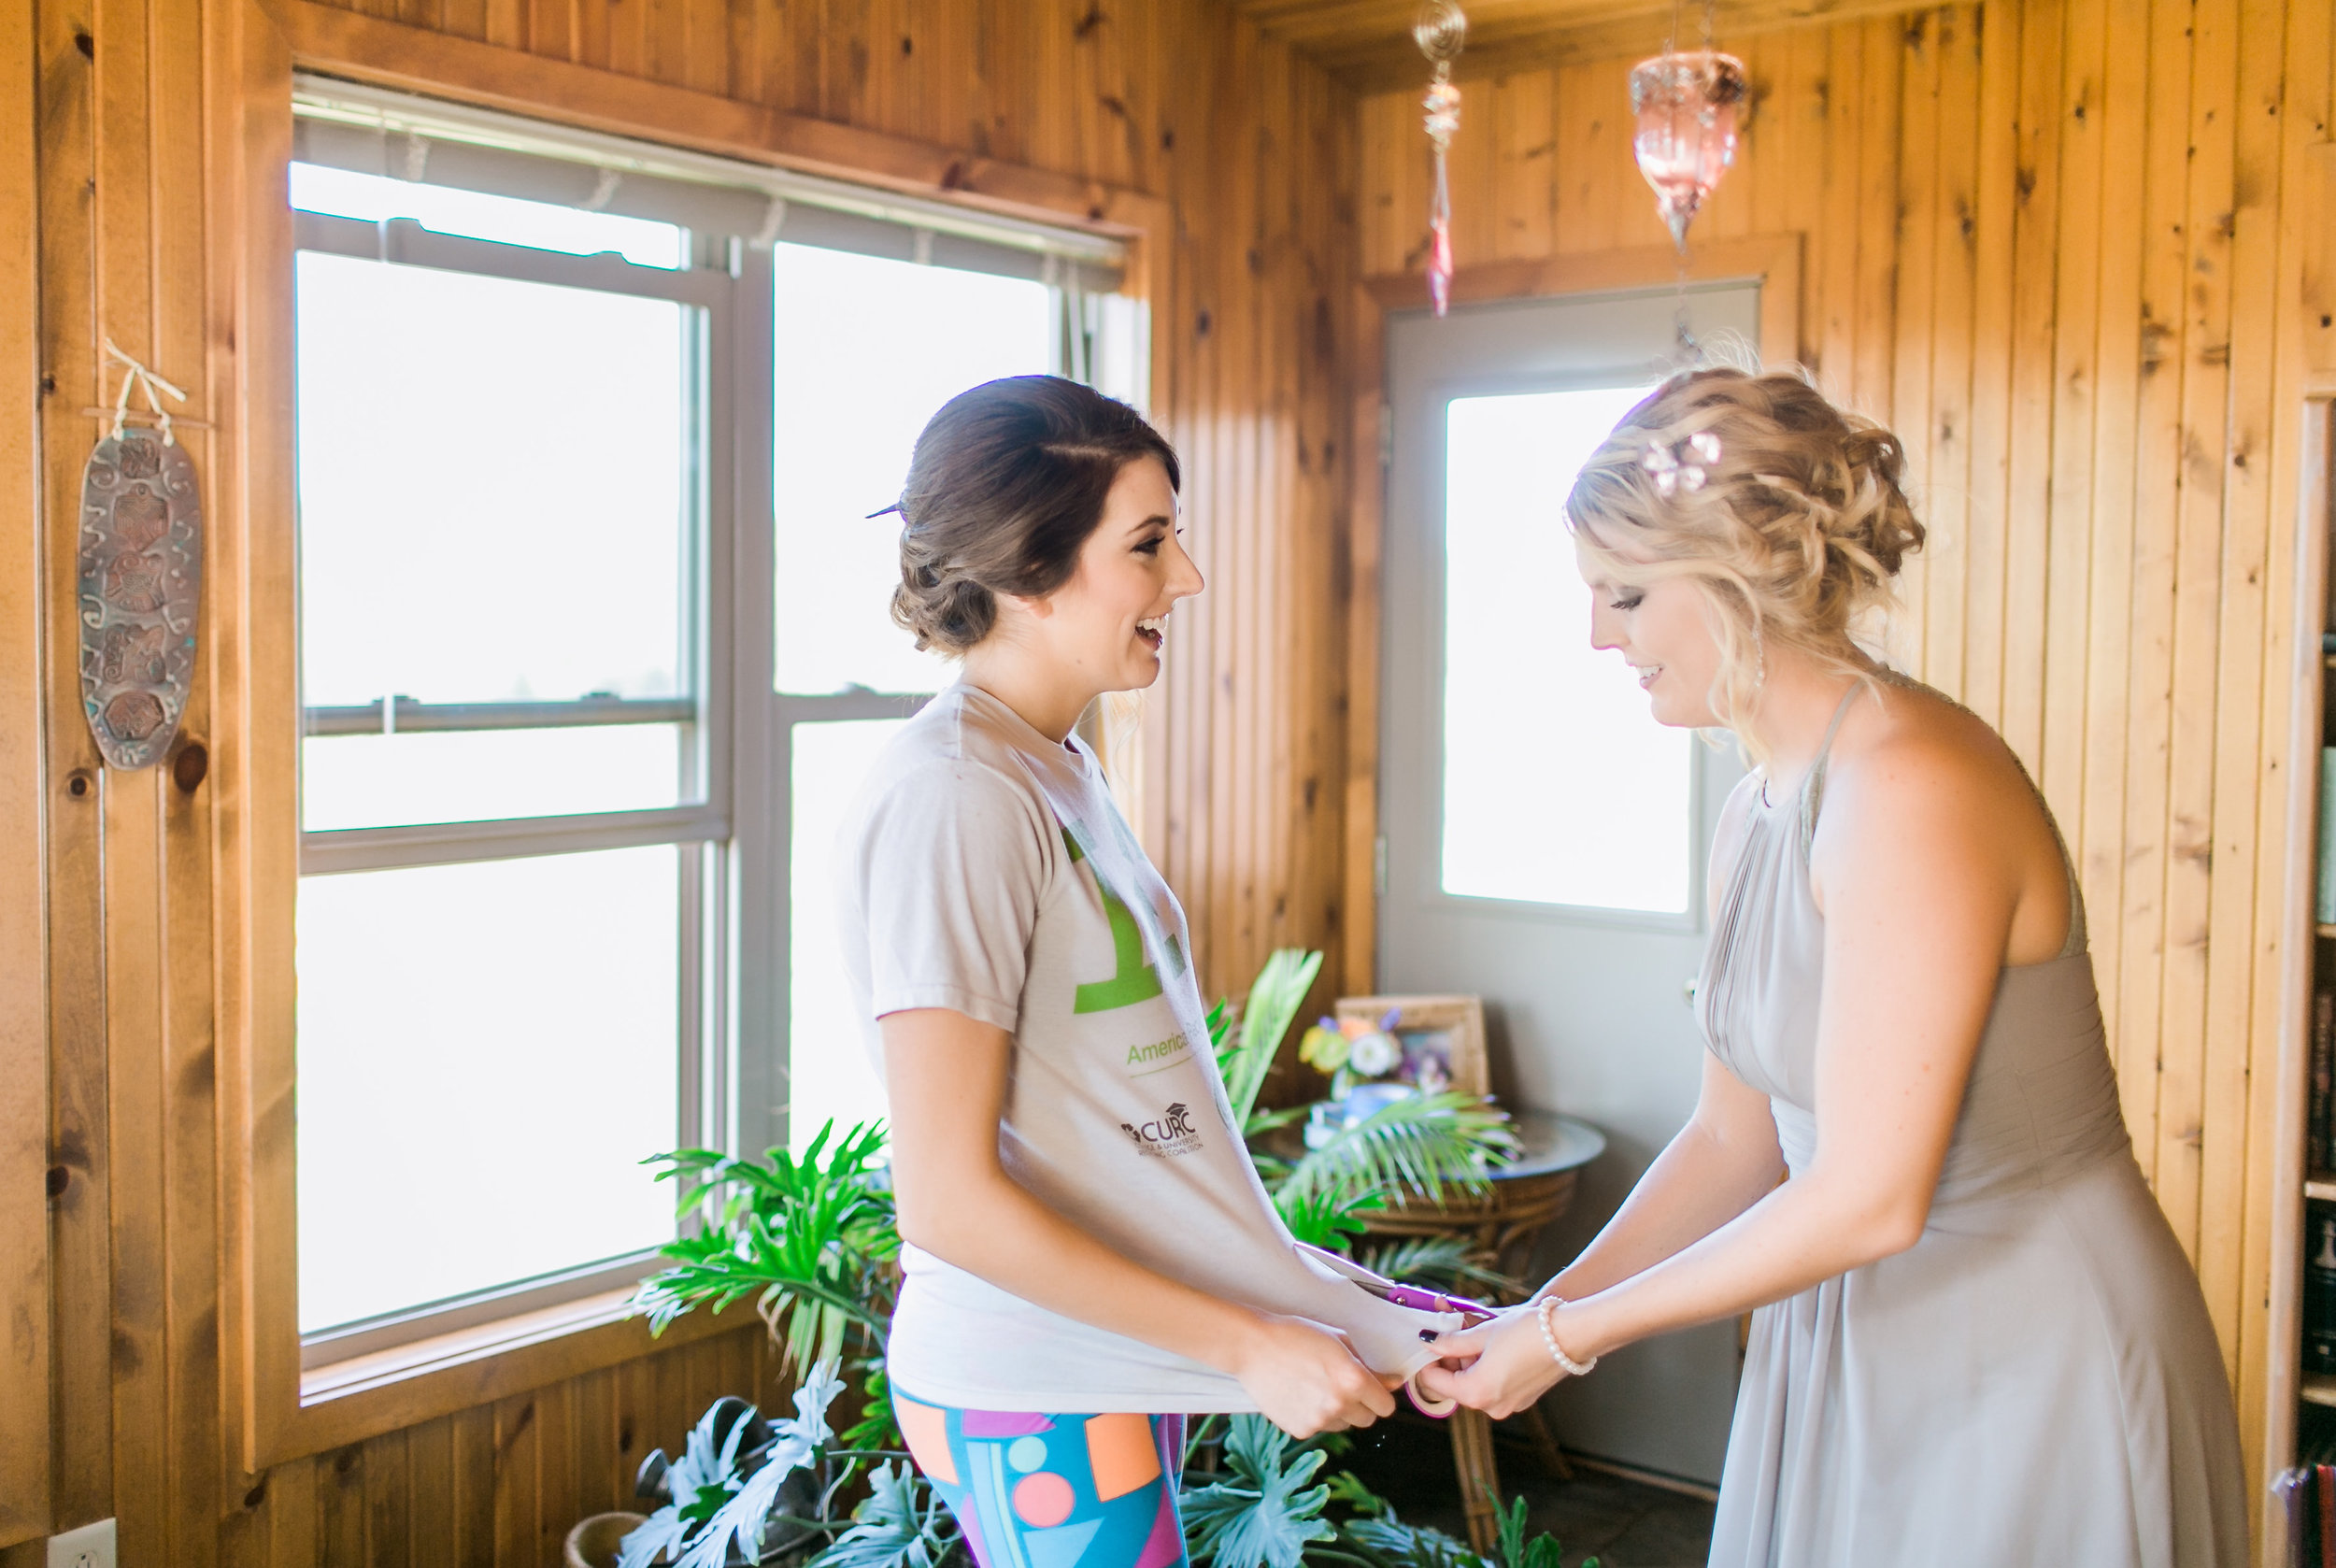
(1686, 104)
(1441, 31)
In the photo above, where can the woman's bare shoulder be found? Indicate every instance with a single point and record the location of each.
(1908, 754)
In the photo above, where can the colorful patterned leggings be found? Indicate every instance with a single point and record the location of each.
(1054, 1491)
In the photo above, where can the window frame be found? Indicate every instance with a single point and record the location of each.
(290, 1410)
(720, 363)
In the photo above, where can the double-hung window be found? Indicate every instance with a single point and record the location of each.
(593, 649)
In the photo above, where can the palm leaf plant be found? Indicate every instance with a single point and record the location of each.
(1422, 1142)
(813, 1241)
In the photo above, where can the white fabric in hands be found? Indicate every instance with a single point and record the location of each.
(984, 869)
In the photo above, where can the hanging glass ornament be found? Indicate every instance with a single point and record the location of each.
(1441, 31)
(1687, 106)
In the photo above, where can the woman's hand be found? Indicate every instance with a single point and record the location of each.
(1499, 1367)
(1305, 1380)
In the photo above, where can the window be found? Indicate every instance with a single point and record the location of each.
(594, 650)
(893, 341)
(506, 428)
(1516, 794)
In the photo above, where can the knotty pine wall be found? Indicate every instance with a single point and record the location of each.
(2054, 244)
(125, 156)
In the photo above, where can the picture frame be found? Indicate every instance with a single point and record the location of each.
(1440, 1034)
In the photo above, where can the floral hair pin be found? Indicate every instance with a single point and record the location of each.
(1680, 465)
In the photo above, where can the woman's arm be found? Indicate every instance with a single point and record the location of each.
(1719, 1164)
(1919, 883)
(946, 1073)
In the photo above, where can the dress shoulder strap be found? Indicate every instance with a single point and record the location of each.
(1813, 786)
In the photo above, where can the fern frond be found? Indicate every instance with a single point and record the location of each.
(1423, 1142)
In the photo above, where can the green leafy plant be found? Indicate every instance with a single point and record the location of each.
(1421, 1143)
(727, 1490)
(903, 1524)
(813, 1240)
(1268, 1510)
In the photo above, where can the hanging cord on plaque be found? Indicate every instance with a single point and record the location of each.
(150, 383)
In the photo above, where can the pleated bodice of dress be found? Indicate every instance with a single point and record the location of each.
(2036, 1380)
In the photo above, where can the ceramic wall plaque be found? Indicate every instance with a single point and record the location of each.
(141, 579)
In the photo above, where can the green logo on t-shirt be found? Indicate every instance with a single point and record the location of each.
(1134, 980)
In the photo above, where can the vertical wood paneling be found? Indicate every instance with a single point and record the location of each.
(2248, 645)
(1915, 246)
(2099, 842)
(2058, 243)
(24, 1296)
(2198, 558)
(2044, 237)
(139, 217)
(1940, 452)
(2157, 463)
(81, 1487)
(389, 1502)
(1989, 467)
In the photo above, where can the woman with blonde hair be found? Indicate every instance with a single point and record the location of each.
(1976, 1340)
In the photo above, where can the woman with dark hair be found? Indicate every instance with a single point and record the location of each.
(1974, 1338)
(1088, 1250)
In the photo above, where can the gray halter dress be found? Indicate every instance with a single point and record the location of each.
(2035, 1381)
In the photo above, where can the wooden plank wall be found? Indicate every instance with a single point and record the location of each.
(23, 984)
(2045, 241)
(149, 116)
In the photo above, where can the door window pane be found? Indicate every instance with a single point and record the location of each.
(827, 1070)
(1559, 787)
(486, 1055)
(867, 350)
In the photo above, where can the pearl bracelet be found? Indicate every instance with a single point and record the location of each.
(1571, 1367)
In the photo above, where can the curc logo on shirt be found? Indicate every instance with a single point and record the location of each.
(1172, 1134)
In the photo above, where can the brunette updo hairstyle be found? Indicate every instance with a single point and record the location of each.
(1794, 531)
(1007, 481)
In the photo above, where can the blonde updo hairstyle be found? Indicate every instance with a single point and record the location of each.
(1794, 531)
(1006, 482)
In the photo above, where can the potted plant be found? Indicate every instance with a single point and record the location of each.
(812, 1240)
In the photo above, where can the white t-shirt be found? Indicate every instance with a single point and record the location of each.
(985, 869)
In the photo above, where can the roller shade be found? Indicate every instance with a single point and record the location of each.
(366, 129)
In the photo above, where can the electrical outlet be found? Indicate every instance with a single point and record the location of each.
(90, 1546)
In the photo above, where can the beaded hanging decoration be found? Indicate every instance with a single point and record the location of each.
(1441, 31)
(140, 558)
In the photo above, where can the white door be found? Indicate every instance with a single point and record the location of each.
(1544, 838)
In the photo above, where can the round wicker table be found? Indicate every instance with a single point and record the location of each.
(1501, 1223)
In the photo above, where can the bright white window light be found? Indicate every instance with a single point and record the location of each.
(828, 1071)
(486, 1055)
(539, 541)
(867, 350)
(1559, 787)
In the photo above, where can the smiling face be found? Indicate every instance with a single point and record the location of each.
(1106, 625)
(1662, 630)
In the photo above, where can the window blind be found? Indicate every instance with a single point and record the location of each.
(366, 130)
